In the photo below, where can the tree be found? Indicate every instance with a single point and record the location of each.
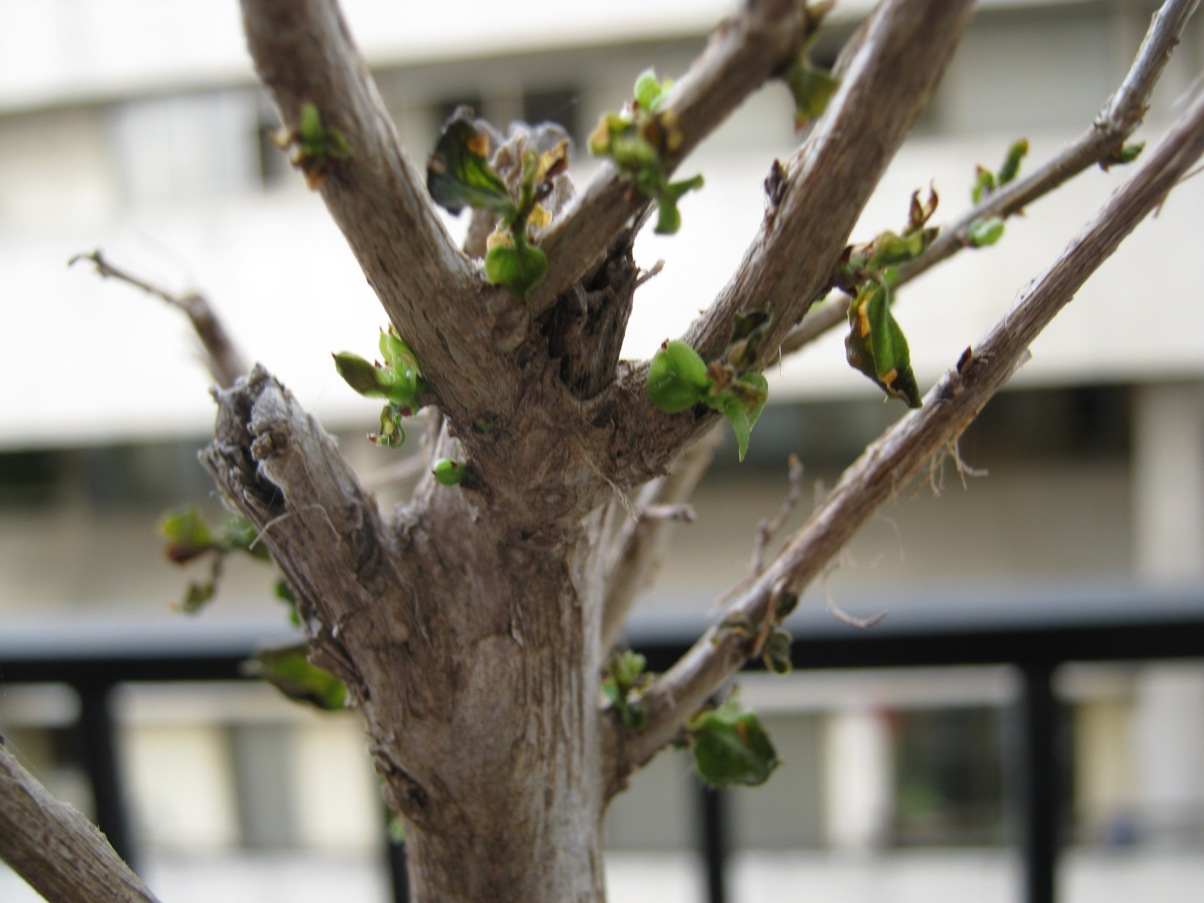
(473, 628)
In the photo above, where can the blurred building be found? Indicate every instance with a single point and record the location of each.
(137, 127)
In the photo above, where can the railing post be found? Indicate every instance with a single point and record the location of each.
(714, 840)
(97, 739)
(399, 868)
(1036, 776)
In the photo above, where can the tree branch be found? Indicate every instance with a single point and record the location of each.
(280, 469)
(745, 51)
(304, 54)
(900, 454)
(222, 356)
(61, 854)
(637, 550)
(1120, 117)
(895, 66)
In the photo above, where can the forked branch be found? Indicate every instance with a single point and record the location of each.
(899, 454)
(1118, 120)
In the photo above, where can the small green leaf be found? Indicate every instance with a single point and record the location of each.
(458, 174)
(985, 232)
(293, 674)
(448, 472)
(187, 534)
(877, 347)
(812, 89)
(733, 409)
(625, 676)
(677, 377)
(1011, 163)
(984, 184)
(776, 654)
(285, 594)
(730, 746)
(519, 267)
(647, 89)
(392, 434)
(401, 387)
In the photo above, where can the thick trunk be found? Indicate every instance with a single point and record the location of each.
(510, 760)
(468, 633)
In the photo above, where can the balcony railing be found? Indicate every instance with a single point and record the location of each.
(1034, 633)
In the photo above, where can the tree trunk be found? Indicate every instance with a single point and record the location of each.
(511, 752)
(468, 632)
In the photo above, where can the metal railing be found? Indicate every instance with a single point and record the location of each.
(1034, 632)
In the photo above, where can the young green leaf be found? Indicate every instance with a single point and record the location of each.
(448, 472)
(1011, 163)
(187, 534)
(877, 347)
(985, 232)
(677, 377)
(730, 746)
(812, 88)
(518, 266)
(458, 175)
(293, 674)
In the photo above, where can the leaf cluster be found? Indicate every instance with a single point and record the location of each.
(622, 685)
(639, 139)
(189, 537)
(459, 175)
(985, 232)
(679, 379)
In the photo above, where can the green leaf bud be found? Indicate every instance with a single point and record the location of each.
(677, 377)
(448, 472)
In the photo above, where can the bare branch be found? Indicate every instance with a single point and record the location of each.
(901, 453)
(56, 850)
(304, 54)
(222, 356)
(637, 549)
(888, 82)
(744, 52)
(1121, 115)
(276, 465)
(895, 65)
(768, 529)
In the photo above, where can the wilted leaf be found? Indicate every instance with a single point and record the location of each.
(877, 347)
(458, 175)
(730, 746)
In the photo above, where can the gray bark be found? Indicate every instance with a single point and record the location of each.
(472, 624)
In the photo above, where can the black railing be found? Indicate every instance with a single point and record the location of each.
(1034, 633)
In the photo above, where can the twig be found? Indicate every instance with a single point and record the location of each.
(222, 357)
(636, 551)
(1121, 115)
(902, 452)
(768, 529)
(744, 52)
(55, 849)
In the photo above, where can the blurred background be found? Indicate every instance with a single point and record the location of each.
(137, 127)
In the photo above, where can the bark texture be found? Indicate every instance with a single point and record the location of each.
(472, 624)
(58, 852)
